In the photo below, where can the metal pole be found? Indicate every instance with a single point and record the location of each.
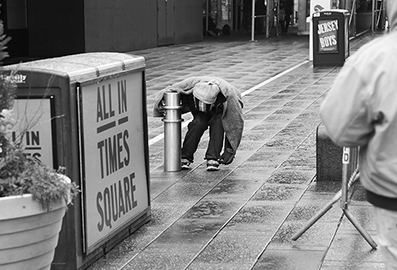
(206, 16)
(345, 164)
(360, 229)
(347, 183)
(253, 21)
(277, 17)
(172, 132)
(373, 16)
(267, 19)
(344, 201)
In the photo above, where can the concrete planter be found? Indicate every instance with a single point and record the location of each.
(29, 233)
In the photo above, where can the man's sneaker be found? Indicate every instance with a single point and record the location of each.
(185, 164)
(212, 165)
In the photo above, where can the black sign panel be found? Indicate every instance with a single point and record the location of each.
(327, 30)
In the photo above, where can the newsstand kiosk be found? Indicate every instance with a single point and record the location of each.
(330, 37)
(92, 121)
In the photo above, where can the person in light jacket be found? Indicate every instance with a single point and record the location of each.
(361, 110)
(216, 104)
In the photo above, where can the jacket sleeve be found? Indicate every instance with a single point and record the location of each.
(232, 117)
(185, 84)
(345, 112)
(184, 88)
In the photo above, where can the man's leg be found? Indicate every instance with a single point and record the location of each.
(193, 136)
(387, 236)
(216, 138)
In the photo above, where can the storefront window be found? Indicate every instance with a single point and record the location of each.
(226, 10)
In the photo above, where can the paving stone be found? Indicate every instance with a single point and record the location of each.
(244, 216)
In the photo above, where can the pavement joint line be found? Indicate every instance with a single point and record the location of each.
(256, 87)
(237, 211)
(177, 219)
(304, 147)
(242, 206)
(228, 221)
(252, 89)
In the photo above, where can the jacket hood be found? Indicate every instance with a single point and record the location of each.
(391, 11)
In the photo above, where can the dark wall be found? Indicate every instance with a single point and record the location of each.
(121, 25)
(55, 27)
(59, 27)
(188, 21)
(15, 27)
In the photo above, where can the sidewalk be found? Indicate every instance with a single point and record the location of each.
(243, 217)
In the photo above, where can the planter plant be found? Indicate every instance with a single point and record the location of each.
(33, 196)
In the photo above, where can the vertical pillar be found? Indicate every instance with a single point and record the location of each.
(253, 21)
(172, 132)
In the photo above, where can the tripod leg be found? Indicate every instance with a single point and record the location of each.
(328, 206)
(317, 216)
(346, 185)
(361, 230)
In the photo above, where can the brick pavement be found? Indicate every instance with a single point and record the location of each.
(243, 216)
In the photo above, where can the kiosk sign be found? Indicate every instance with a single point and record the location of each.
(115, 180)
(327, 31)
(33, 118)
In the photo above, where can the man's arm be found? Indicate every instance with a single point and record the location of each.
(345, 111)
(185, 84)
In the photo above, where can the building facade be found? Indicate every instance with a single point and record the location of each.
(50, 28)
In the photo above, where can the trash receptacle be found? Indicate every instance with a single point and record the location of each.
(330, 37)
(87, 113)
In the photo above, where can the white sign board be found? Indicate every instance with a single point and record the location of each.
(116, 188)
(33, 128)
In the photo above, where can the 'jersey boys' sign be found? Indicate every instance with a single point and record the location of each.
(114, 161)
(328, 35)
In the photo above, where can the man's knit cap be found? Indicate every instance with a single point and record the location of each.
(207, 92)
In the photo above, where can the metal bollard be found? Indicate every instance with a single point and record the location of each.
(172, 132)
